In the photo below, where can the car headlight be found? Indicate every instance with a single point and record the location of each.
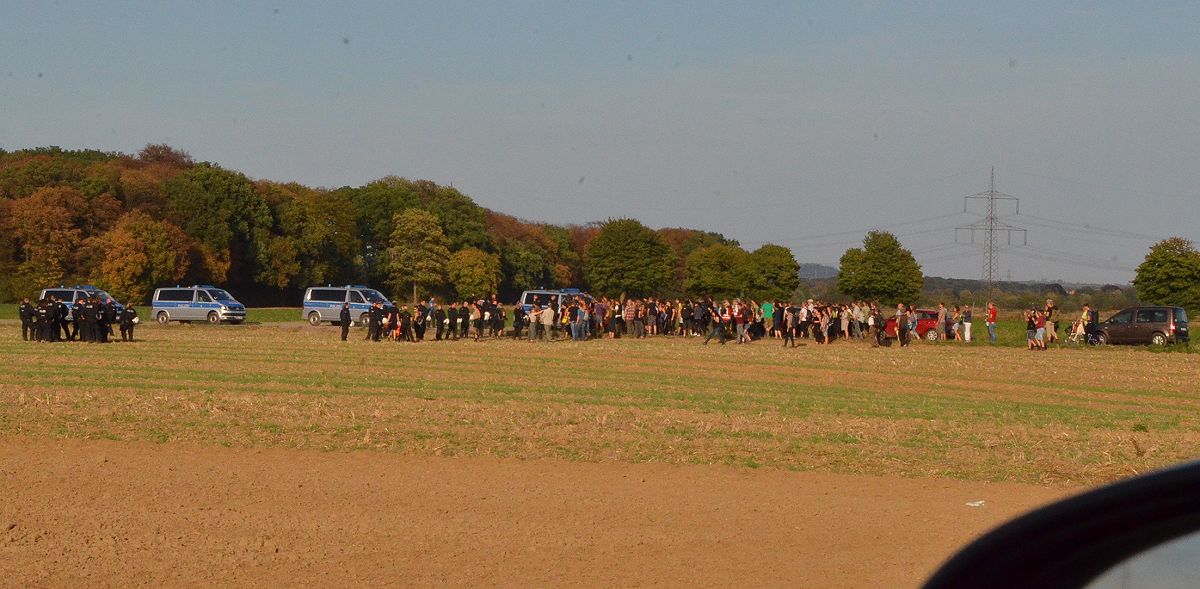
(224, 308)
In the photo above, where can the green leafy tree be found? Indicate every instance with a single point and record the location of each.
(721, 271)
(221, 210)
(474, 273)
(524, 266)
(775, 273)
(882, 269)
(1170, 275)
(321, 231)
(629, 258)
(461, 219)
(418, 253)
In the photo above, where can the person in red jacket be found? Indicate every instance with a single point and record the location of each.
(991, 322)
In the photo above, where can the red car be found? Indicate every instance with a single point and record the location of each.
(927, 324)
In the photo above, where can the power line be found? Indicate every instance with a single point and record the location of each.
(864, 231)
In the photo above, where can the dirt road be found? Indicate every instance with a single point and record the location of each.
(96, 513)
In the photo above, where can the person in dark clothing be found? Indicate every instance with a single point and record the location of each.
(27, 313)
(110, 317)
(344, 319)
(128, 318)
(419, 321)
(43, 321)
(53, 331)
(76, 324)
(439, 321)
(452, 321)
(374, 322)
(86, 311)
(64, 320)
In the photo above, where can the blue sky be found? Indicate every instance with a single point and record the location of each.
(802, 124)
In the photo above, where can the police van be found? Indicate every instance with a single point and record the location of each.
(324, 303)
(69, 294)
(202, 302)
(543, 297)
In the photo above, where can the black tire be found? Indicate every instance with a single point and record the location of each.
(362, 319)
(1101, 339)
(1158, 339)
(314, 318)
(213, 318)
(162, 318)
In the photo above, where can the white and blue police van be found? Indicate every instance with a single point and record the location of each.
(201, 302)
(558, 297)
(324, 303)
(69, 294)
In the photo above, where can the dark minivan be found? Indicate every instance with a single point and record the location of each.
(1146, 325)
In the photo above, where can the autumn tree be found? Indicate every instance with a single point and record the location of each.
(474, 273)
(882, 269)
(628, 258)
(140, 253)
(418, 252)
(1170, 274)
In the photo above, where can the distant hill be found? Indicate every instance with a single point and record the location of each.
(811, 271)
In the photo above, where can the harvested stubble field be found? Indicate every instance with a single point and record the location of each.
(204, 454)
(1065, 417)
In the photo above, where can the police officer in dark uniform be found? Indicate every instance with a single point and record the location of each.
(439, 322)
(453, 317)
(43, 321)
(64, 319)
(55, 330)
(127, 316)
(91, 320)
(419, 321)
(28, 314)
(344, 318)
(108, 316)
(374, 321)
(76, 323)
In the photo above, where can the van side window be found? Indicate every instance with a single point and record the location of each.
(1152, 316)
(355, 297)
(203, 297)
(1122, 318)
(175, 295)
(327, 295)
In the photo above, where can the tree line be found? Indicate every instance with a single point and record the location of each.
(131, 223)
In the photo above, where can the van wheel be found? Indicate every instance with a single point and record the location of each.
(314, 319)
(1102, 339)
(213, 318)
(1158, 339)
(931, 335)
(362, 319)
(162, 318)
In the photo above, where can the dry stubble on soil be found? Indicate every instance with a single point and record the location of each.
(1064, 417)
(109, 464)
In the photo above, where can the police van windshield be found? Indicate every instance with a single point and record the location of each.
(373, 295)
(102, 295)
(220, 295)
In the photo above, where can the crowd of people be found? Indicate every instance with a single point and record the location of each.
(545, 317)
(88, 320)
